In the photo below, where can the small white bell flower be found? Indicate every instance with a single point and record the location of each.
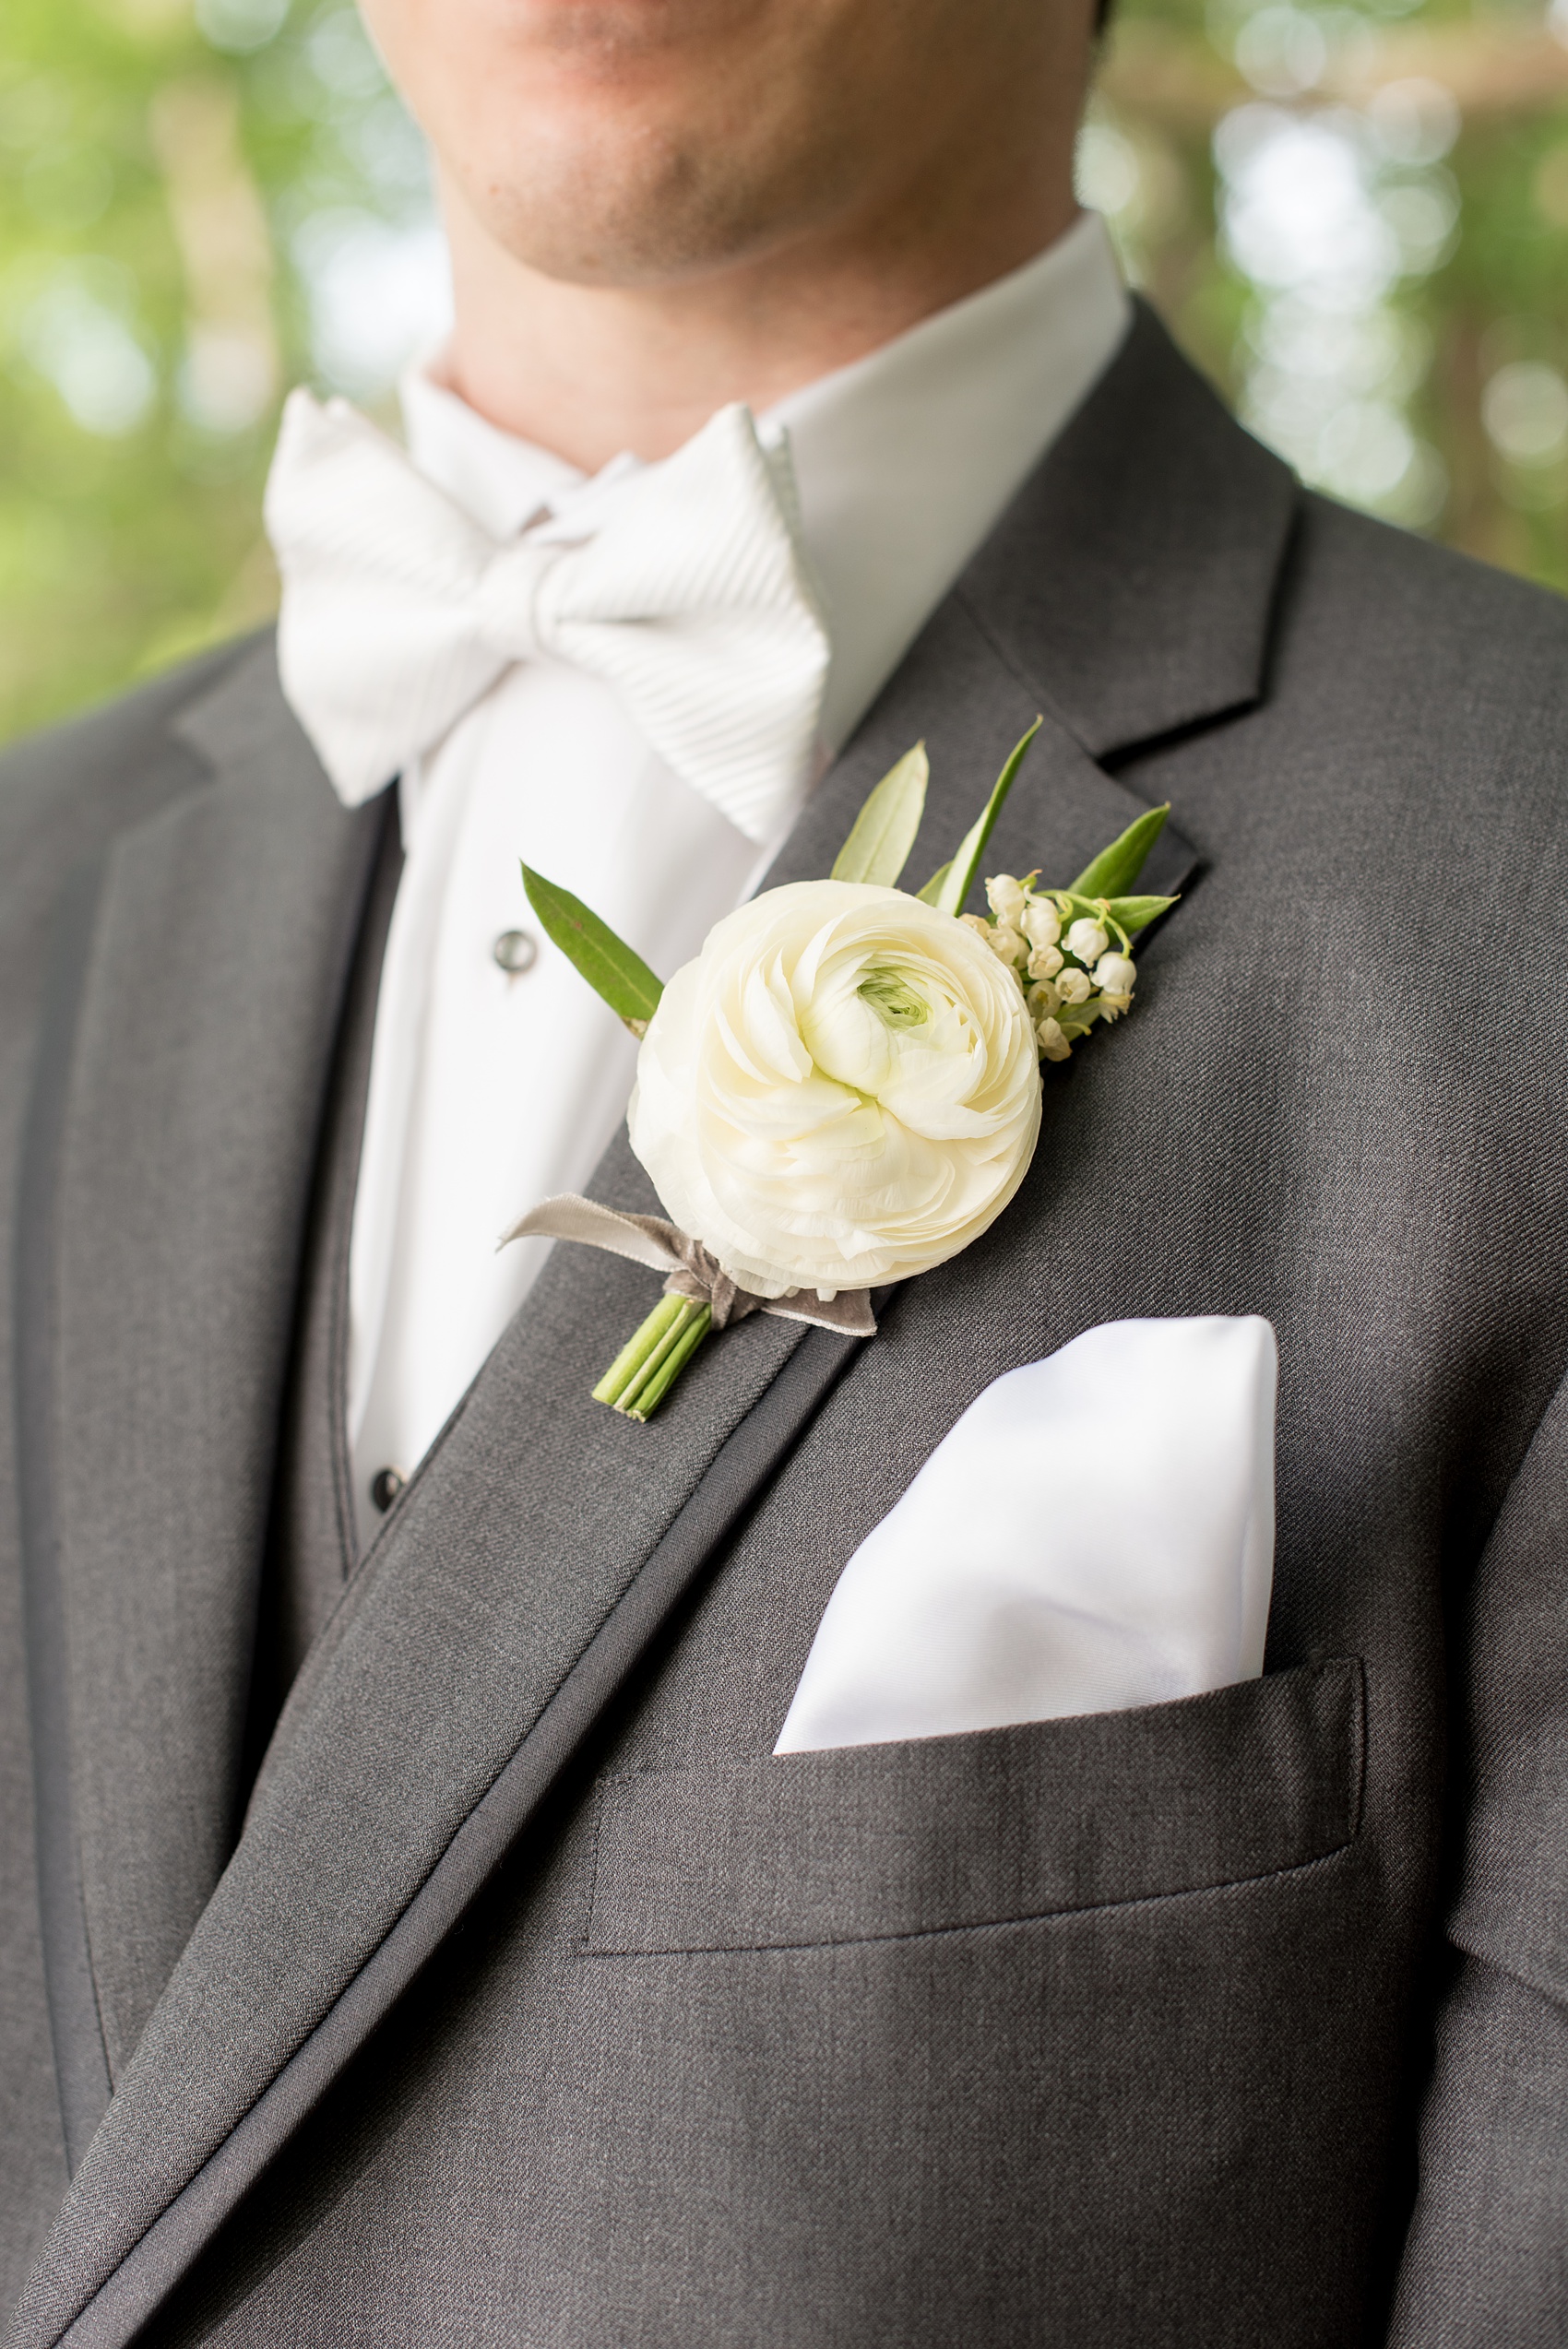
(1053, 1045)
(1041, 924)
(977, 921)
(1010, 945)
(1115, 974)
(1045, 962)
(1075, 987)
(1043, 1001)
(1006, 897)
(1088, 940)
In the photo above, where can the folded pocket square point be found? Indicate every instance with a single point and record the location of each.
(1140, 1572)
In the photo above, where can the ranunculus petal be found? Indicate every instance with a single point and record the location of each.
(843, 1089)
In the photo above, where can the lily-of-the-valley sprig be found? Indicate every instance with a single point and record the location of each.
(842, 1090)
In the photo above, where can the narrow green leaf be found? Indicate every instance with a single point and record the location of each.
(605, 961)
(1136, 913)
(883, 833)
(1115, 869)
(961, 872)
(932, 893)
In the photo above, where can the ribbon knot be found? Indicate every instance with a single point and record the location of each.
(690, 1269)
(700, 1275)
(506, 602)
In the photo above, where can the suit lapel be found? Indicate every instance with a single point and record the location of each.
(970, 708)
(171, 1143)
(517, 1583)
(1133, 583)
(1127, 595)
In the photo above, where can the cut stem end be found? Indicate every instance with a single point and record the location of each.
(654, 1356)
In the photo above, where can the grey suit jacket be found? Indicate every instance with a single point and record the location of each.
(536, 2003)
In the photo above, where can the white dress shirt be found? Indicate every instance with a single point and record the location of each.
(492, 1089)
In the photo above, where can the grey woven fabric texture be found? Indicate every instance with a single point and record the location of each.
(313, 1542)
(536, 2002)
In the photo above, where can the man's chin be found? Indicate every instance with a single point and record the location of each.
(618, 229)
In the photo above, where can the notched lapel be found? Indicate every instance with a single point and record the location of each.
(956, 695)
(1127, 594)
(1132, 584)
(183, 1145)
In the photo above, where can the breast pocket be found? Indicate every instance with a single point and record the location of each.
(869, 1842)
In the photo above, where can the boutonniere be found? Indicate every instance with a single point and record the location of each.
(843, 1089)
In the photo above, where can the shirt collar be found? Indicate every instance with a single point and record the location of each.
(903, 461)
(502, 481)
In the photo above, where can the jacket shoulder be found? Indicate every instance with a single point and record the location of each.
(67, 791)
(1397, 610)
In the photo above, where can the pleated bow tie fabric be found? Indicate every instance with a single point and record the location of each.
(681, 586)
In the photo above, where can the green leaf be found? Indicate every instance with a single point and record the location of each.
(605, 961)
(932, 893)
(1077, 1019)
(1116, 868)
(878, 847)
(1136, 913)
(960, 873)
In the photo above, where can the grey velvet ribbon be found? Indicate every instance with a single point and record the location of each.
(690, 1269)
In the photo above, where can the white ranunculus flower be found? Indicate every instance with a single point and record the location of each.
(842, 1090)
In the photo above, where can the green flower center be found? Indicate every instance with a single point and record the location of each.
(892, 997)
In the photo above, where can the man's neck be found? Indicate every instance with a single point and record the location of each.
(588, 370)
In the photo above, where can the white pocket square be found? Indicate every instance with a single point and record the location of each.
(1096, 1531)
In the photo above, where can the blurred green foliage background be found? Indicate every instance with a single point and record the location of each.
(1354, 216)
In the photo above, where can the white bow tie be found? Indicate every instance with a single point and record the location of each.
(691, 599)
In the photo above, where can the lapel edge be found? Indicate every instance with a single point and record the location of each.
(1154, 490)
(81, 2058)
(110, 2318)
(79, 2043)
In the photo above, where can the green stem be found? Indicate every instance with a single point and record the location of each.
(653, 1359)
(637, 1348)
